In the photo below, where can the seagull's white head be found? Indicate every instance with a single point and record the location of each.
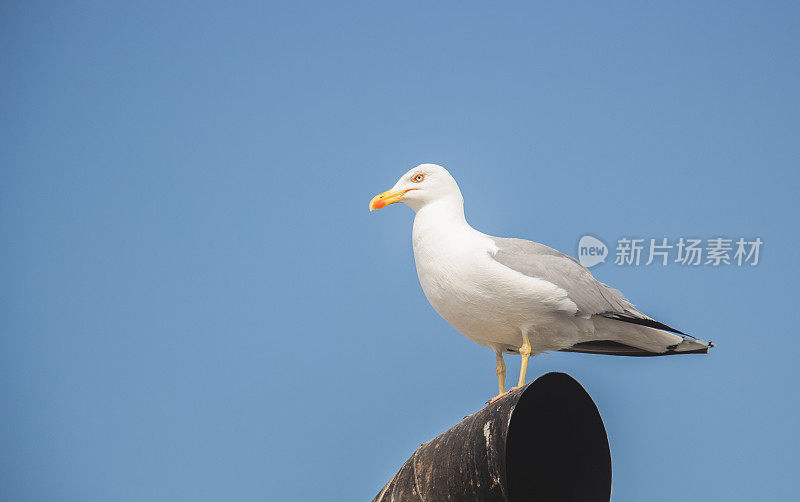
(423, 185)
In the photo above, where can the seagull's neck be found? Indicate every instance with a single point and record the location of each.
(440, 218)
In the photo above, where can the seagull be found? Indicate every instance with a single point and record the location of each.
(517, 296)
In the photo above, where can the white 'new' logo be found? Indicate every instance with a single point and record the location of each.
(591, 251)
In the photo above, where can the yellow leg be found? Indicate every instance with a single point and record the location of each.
(500, 370)
(525, 352)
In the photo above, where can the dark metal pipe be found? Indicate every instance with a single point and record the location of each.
(545, 442)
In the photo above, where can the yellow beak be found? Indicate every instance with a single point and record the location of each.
(384, 199)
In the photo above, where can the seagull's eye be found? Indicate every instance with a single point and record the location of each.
(418, 177)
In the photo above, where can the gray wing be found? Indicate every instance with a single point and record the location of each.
(542, 262)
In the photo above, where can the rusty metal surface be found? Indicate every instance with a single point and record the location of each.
(468, 462)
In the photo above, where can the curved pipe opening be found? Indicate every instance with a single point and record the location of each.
(556, 447)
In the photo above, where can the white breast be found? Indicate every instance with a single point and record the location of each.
(484, 300)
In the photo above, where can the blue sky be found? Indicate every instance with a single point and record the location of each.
(196, 304)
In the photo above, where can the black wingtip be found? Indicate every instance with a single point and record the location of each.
(650, 323)
(614, 348)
